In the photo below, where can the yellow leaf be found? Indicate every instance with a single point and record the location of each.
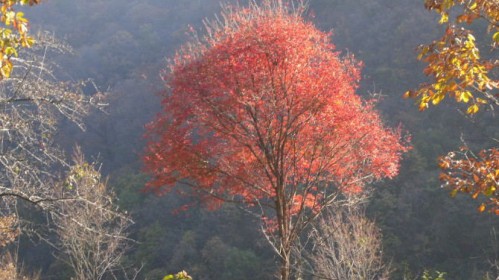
(444, 18)
(489, 191)
(20, 17)
(448, 4)
(10, 51)
(495, 37)
(473, 109)
(9, 17)
(482, 101)
(27, 42)
(6, 68)
(437, 98)
(465, 96)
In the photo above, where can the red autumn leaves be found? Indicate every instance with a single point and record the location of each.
(264, 107)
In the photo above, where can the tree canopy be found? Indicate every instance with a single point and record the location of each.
(263, 111)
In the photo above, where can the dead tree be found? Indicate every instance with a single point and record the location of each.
(347, 245)
(32, 102)
(92, 232)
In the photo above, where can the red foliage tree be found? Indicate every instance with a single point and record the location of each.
(263, 111)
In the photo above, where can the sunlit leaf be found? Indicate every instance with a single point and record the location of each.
(481, 208)
(495, 37)
(473, 109)
(465, 96)
(444, 18)
(436, 99)
(12, 38)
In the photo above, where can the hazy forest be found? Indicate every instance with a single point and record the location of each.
(143, 138)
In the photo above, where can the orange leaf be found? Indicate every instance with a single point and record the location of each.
(475, 178)
(481, 208)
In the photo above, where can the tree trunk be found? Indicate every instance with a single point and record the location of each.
(285, 267)
(283, 221)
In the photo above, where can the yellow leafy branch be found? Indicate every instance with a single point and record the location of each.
(454, 62)
(13, 33)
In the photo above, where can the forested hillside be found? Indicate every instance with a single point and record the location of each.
(124, 46)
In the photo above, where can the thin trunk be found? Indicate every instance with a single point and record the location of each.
(283, 221)
(285, 269)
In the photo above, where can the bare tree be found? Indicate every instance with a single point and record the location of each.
(10, 270)
(8, 230)
(347, 245)
(91, 230)
(32, 102)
